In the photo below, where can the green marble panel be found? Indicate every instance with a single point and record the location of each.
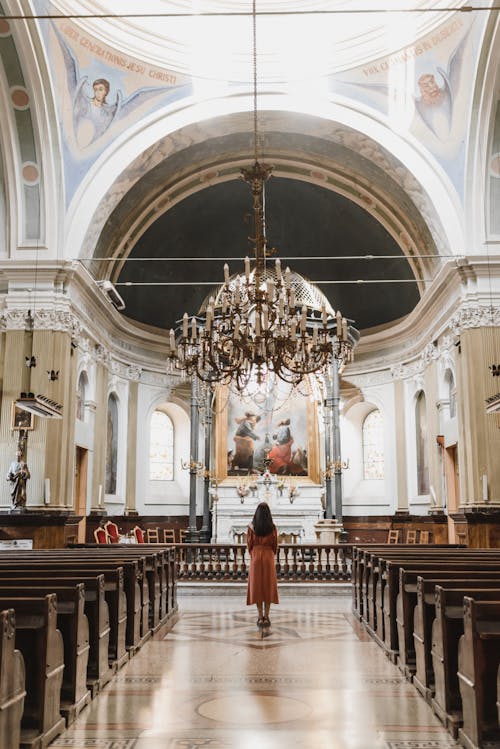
(10, 60)
(25, 134)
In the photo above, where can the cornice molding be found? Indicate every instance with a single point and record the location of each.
(468, 316)
(65, 321)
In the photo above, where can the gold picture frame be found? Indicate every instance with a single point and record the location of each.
(296, 408)
(21, 419)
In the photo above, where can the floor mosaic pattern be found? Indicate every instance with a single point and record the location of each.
(316, 681)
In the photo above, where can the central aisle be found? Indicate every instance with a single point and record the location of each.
(317, 682)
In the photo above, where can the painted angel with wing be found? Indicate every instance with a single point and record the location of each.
(93, 114)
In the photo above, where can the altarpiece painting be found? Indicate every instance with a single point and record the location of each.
(273, 427)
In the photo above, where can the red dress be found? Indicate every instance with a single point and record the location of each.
(262, 582)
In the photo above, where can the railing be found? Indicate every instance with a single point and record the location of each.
(294, 562)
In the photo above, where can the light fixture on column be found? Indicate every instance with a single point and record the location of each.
(265, 319)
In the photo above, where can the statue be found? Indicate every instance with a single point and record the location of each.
(18, 475)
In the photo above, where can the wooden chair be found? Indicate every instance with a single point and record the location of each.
(153, 536)
(411, 537)
(112, 531)
(138, 534)
(393, 537)
(425, 537)
(168, 536)
(182, 536)
(101, 536)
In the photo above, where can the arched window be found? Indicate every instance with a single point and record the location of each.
(111, 445)
(161, 447)
(81, 396)
(421, 435)
(452, 396)
(373, 446)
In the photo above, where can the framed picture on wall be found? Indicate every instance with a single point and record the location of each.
(21, 419)
(275, 427)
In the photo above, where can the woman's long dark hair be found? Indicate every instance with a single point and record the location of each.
(263, 520)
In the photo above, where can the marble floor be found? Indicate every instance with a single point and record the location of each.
(316, 681)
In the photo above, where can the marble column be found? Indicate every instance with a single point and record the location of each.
(192, 533)
(327, 416)
(336, 447)
(205, 529)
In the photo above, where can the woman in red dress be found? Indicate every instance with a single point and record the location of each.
(262, 543)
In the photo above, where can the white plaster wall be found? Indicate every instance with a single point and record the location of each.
(361, 496)
(161, 497)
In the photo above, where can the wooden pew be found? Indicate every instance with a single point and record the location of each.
(99, 671)
(166, 569)
(478, 661)
(113, 591)
(447, 628)
(376, 577)
(157, 572)
(372, 591)
(390, 572)
(406, 602)
(133, 582)
(41, 645)
(12, 683)
(73, 625)
(134, 578)
(365, 564)
(425, 613)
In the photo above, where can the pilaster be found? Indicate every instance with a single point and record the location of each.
(479, 433)
(400, 427)
(133, 393)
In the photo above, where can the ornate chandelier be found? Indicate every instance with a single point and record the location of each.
(261, 321)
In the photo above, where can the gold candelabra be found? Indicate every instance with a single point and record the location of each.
(334, 466)
(194, 466)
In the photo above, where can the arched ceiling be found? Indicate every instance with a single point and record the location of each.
(305, 222)
(326, 199)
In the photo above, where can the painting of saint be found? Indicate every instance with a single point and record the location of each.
(270, 432)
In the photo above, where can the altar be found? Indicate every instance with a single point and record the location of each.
(296, 507)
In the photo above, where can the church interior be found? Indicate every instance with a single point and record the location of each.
(249, 255)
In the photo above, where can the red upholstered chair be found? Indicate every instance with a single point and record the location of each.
(138, 534)
(112, 531)
(101, 536)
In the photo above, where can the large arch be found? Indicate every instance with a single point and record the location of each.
(165, 140)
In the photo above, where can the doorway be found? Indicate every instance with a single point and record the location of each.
(452, 478)
(81, 469)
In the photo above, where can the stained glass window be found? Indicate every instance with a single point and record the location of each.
(373, 446)
(161, 447)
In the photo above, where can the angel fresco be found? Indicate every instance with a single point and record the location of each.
(93, 112)
(92, 116)
(440, 92)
